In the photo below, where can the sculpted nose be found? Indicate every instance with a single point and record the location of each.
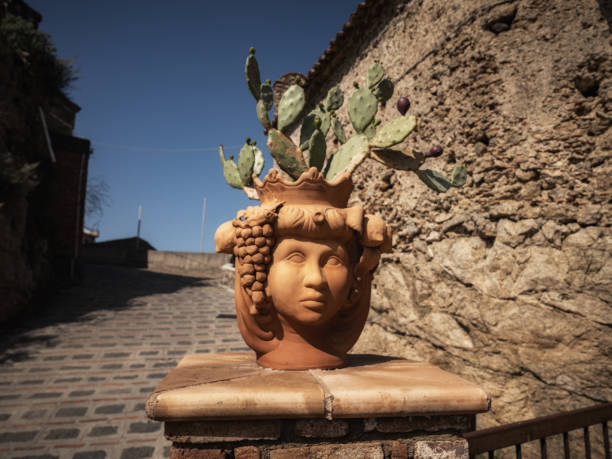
(313, 277)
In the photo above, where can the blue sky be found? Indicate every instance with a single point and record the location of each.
(158, 77)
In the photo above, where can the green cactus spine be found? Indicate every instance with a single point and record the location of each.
(335, 99)
(374, 75)
(290, 106)
(287, 155)
(251, 70)
(362, 107)
(246, 160)
(393, 132)
(349, 154)
(230, 171)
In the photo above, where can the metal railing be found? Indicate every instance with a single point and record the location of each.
(518, 433)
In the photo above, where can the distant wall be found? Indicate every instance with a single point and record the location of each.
(152, 259)
(186, 261)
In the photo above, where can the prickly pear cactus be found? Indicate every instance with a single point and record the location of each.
(348, 156)
(362, 108)
(376, 72)
(287, 155)
(371, 139)
(393, 132)
(290, 106)
(246, 160)
(251, 70)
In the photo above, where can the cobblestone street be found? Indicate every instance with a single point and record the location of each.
(74, 378)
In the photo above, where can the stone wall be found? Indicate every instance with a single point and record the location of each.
(508, 280)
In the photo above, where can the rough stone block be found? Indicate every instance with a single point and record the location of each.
(462, 423)
(399, 450)
(216, 431)
(333, 451)
(454, 449)
(321, 428)
(197, 453)
(246, 452)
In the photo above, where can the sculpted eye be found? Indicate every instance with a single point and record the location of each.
(295, 257)
(334, 261)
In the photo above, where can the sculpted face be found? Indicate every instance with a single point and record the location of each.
(309, 280)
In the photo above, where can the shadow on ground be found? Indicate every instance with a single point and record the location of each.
(103, 288)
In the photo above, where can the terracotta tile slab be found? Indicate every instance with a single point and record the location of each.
(399, 388)
(237, 391)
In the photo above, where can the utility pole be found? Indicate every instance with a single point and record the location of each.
(203, 220)
(138, 230)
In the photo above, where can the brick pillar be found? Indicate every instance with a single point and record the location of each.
(224, 405)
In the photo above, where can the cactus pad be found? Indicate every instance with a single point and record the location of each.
(396, 159)
(384, 91)
(370, 131)
(393, 132)
(338, 130)
(362, 107)
(459, 176)
(258, 164)
(246, 159)
(349, 154)
(262, 114)
(335, 99)
(374, 75)
(316, 147)
(230, 171)
(251, 70)
(290, 106)
(287, 155)
(266, 94)
(435, 180)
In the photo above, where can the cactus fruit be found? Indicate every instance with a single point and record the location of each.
(362, 107)
(335, 99)
(348, 156)
(434, 180)
(230, 171)
(403, 104)
(393, 132)
(434, 151)
(262, 114)
(384, 91)
(396, 159)
(287, 155)
(338, 130)
(316, 148)
(266, 94)
(251, 70)
(290, 106)
(374, 75)
(246, 159)
(459, 176)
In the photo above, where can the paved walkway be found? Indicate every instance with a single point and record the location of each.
(74, 378)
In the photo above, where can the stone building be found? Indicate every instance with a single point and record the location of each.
(508, 280)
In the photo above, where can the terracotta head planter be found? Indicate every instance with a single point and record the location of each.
(304, 267)
(304, 261)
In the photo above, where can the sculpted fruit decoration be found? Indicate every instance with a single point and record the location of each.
(305, 261)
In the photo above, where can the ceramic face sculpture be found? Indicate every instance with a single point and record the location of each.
(304, 265)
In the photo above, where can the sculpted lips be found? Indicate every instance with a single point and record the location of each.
(313, 301)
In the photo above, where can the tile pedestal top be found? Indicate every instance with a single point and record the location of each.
(233, 386)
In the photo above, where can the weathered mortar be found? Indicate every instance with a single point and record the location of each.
(508, 280)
